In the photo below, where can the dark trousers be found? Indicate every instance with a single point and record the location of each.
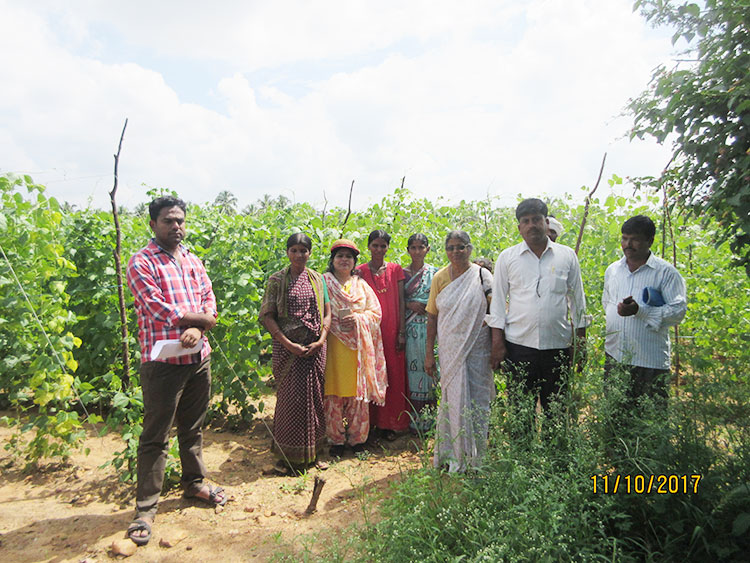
(171, 393)
(538, 371)
(650, 382)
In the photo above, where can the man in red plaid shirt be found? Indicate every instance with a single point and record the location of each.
(173, 300)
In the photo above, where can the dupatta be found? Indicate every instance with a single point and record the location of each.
(372, 378)
(274, 299)
(417, 288)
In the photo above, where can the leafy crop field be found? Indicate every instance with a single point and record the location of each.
(61, 368)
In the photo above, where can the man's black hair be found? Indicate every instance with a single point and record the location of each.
(639, 225)
(531, 206)
(155, 207)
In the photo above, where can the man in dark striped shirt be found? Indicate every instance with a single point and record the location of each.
(174, 300)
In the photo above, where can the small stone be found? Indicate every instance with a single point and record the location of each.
(249, 509)
(283, 515)
(87, 560)
(268, 470)
(218, 509)
(270, 513)
(125, 548)
(189, 547)
(171, 539)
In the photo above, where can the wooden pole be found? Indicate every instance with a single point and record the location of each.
(588, 203)
(317, 488)
(118, 270)
(668, 218)
(349, 212)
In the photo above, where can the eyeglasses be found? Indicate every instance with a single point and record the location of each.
(459, 247)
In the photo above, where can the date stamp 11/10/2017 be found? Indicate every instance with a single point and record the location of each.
(661, 484)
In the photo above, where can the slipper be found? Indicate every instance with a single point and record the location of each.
(389, 435)
(213, 494)
(139, 525)
(337, 450)
(283, 470)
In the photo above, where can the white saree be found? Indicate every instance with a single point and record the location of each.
(466, 379)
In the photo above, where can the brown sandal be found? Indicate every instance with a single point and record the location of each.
(213, 494)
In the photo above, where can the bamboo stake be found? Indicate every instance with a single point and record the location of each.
(118, 270)
(668, 219)
(349, 212)
(588, 203)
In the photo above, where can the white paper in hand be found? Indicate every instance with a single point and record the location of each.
(172, 348)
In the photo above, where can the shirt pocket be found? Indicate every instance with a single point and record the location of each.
(560, 283)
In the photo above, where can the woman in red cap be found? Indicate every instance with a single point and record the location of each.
(297, 313)
(387, 279)
(355, 368)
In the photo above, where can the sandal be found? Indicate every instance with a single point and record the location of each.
(389, 435)
(139, 525)
(337, 450)
(213, 494)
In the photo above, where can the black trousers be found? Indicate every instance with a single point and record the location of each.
(539, 372)
(650, 382)
(171, 393)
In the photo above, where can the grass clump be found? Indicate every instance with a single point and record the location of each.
(533, 498)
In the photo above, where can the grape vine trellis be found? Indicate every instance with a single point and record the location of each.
(63, 260)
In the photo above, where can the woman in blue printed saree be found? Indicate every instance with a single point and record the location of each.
(416, 292)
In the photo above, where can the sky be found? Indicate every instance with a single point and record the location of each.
(298, 98)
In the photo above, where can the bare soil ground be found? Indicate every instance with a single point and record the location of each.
(74, 511)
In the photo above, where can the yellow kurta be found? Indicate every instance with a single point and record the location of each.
(341, 369)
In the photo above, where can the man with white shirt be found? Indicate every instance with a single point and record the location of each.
(554, 229)
(540, 281)
(637, 322)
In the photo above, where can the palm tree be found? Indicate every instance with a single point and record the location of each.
(226, 203)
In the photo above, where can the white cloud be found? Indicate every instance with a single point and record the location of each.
(516, 97)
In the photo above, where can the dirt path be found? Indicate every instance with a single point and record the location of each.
(73, 512)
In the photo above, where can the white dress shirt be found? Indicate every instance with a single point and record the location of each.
(642, 339)
(539, 293)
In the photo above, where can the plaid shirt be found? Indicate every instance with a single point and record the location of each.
(164, 293)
